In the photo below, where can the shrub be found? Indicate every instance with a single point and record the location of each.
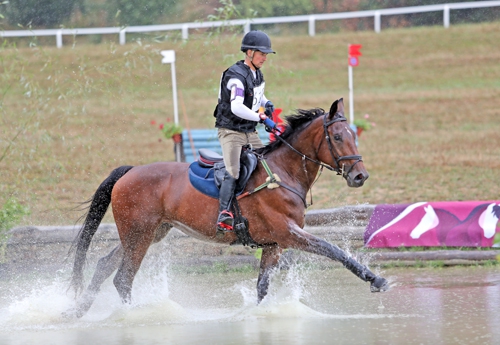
(44, 13)
(265, 8)
(138, 12)
(10, 214)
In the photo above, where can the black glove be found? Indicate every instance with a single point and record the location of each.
(269, 109)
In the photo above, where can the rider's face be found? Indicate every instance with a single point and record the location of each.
(258, 57)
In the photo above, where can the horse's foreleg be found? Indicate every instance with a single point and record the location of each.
(302, 240)
(268, 261)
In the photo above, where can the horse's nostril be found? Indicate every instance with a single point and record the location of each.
(359, 177)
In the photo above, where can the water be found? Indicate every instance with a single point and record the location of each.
(306, 305)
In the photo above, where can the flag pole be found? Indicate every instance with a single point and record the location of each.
(351, 96)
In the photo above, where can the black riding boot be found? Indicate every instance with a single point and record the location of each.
(226, 194)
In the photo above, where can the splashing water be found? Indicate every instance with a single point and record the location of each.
(163, 297)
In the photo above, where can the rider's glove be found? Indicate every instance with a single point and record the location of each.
(270, 124)
(269, 109)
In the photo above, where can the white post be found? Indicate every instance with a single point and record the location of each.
(377, 22)
(246, 27)
(169, 57)
(312, 25)
(185, 32)
(122, 36)
(446, 16)
(59, 41)
(351, 96)
(174, 94)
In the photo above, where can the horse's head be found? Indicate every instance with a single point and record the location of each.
(333, 144)
(341, 152)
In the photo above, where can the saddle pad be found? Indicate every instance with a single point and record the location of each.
(202, 179)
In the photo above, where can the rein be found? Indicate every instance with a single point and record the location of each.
(331, 148)
(273, 180)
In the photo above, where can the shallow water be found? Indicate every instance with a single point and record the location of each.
(306, 305)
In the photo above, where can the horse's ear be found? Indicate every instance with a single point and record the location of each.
(337, 107)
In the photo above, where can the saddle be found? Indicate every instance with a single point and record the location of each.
(207, 172)
(206, 176)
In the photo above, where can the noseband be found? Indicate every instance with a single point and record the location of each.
(331, 148)
(335, 156)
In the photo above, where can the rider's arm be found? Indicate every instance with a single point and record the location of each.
(263, 101)
(237, 98)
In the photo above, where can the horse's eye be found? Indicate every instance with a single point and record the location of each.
(337, 137)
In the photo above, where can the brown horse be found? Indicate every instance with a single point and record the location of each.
(149, 200)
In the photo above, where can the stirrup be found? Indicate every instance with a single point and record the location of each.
(225, 221)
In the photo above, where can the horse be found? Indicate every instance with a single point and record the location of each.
(149, 200)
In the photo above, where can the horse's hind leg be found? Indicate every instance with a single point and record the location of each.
(269, 261)
(135, 248)
(105, 267)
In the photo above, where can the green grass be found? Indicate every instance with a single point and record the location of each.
(69, 116)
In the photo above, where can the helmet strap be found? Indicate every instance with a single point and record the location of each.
(251, 58)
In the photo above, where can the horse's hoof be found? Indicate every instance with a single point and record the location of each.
(69, 314)
(379, 284)
(73, 313)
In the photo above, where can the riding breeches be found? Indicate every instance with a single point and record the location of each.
(231, 143)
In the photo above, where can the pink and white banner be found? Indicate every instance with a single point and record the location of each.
(450, 224)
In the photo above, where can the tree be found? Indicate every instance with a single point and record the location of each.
(138, 12)
(265, 8)
(46, 13)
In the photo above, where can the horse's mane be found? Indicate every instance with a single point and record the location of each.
(293, 126)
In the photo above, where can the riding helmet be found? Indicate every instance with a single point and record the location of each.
(257, 40)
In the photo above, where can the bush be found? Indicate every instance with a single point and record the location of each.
(138, 12)
(10, 214)
(46, 13)
(265, 8)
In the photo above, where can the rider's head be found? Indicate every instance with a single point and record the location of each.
(256, 45)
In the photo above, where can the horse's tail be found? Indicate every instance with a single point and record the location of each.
(98, 206)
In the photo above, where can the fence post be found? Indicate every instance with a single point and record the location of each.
(377, 21)
(446, 16)
(185, 32)
(246, 27)
(59, 41)
(312, 25)
(122, 36)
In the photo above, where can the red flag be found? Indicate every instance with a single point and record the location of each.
(354, 50)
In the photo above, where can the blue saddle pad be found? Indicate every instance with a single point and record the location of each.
(203, 180)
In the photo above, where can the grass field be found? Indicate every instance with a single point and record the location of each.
(69, 116)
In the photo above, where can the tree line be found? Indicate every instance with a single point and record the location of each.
(91, 13)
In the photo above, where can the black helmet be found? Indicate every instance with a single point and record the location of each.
(257, 40)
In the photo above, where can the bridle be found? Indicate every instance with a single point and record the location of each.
(335, 156)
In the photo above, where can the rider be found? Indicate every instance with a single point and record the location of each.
(241, 95)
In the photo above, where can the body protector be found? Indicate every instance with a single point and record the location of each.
(254, 90)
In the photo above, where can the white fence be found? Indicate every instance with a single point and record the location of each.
(247, 23)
